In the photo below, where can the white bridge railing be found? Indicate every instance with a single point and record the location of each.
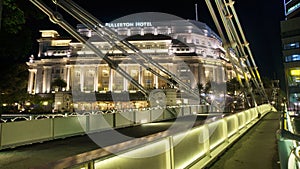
(196, 149)
(48, 127)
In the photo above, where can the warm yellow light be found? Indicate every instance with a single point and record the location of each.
(295, 72)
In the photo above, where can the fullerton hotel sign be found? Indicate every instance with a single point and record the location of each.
(128, 24)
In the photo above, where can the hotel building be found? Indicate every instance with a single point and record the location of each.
(187, 48)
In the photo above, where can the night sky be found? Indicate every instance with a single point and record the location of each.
(260, 21)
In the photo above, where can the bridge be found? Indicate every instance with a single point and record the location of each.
(192, 140)
(187, 134)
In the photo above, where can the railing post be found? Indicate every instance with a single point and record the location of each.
(0, 135)
(171, 153)
(206, 142)
(91, 165)
(225, 130)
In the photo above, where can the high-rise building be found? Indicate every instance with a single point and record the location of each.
(291, 8)
(290, 37)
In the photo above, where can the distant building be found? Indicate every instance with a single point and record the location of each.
(290, 36)
(182, 47)
(291, 8)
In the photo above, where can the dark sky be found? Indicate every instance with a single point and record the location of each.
(260, 20)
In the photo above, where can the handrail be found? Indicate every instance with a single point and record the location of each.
(201, 141)
(288, 143)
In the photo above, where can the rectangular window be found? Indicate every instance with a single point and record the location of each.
(295, 72)
(148, 46)
(147, 73)
(77, 73)
(293, 45)
(105, 73)
(292, 58)
(134, 73)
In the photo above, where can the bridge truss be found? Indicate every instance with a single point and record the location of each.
(233, 37)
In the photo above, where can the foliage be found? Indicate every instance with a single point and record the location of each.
(233, 85)
(60, 83)
(12, 17)
(19, 22)
(13, 83)
(267, 82)
(19, 19)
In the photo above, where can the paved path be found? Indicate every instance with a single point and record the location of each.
(257, 149)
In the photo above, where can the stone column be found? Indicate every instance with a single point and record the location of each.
(47, 79)
(125, 81)
(223, 74)
(156, 81)
(34, 81)
(68, 78)
(96, 79)
(44, 90)
(30, 81)
(201, 74)
(82, 74)
(141, 75)
(196, 72)
(39, 80)
(215, 73)
(110, 80)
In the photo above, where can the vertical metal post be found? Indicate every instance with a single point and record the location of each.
(171, 152)
(196, 11)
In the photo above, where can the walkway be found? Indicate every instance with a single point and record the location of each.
(37, 154)
(256, 149)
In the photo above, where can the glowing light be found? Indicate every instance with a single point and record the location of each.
(293, 8)
(295, 72)
(144, 121)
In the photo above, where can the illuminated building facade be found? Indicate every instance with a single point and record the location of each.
(182, 47)
(291, 8)
(290, 37)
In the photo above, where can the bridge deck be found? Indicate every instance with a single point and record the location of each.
(256, 149)
(39, 154)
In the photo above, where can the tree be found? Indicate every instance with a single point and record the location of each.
(60, 83)
(20, 21)
(13, 84)
(1, 9)
(12, 17)
(232, 86)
